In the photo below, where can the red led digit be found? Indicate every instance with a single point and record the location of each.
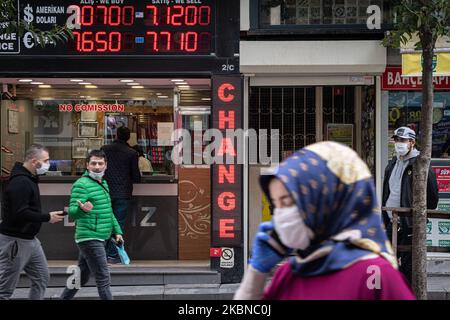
(101, 15)
(87, 15)
(154, 35)
(114, 41)
(204, 15)
(87, 44)
(190, 16)
(127, 15)
(152, 13)
(175, 16)
(181, 37)
(168, 39)
(77, 39)
(191, 41)
(114, 16)
(101, 43)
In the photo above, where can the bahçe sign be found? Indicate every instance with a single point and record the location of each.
(392, 79)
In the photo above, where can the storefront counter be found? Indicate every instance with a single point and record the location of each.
(151, 227)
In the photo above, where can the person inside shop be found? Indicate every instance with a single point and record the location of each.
(90, 207)
(22, 218)
(397, 191)
(326, 217)
(145, 166)
(122, 172)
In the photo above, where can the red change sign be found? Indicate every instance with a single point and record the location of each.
(227, 178)
(392, 79)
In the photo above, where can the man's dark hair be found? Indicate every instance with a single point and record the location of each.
(139, 150)
(34, 151)
(123, 134)
(95, 153)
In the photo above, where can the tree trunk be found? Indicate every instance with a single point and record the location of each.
(420, 172)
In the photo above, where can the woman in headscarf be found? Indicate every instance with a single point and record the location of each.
(326, 215)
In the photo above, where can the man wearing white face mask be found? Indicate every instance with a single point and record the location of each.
(22, 216)
(397, 190)
(90, 207)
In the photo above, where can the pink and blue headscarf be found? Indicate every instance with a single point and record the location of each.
(335, 194)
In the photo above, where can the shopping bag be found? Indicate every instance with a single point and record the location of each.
(122, 253)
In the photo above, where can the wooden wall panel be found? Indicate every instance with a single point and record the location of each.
(194, 213)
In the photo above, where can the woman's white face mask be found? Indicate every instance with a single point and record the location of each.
(291, 228)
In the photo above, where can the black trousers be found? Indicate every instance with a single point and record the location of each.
(404, 237)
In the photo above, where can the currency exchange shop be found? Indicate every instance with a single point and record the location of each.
(154, 67)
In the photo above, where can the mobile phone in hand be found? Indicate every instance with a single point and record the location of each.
(276, 244)
(65, 212)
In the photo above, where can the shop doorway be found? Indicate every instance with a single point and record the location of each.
(57, 112)
(305, 115)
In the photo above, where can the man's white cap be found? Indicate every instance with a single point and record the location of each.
(405, 132)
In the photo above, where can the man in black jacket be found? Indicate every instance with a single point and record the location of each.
(397, 191)
(122, 172)
(22, 218)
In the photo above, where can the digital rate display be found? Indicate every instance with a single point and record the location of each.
(122, 27)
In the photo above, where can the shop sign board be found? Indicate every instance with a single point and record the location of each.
(412, 64)
(393, 80)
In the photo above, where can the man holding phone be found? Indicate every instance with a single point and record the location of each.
(22, 219)
(90, 207)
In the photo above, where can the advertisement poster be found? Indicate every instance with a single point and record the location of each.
(438, 230)
(342, 133)
(443, 178)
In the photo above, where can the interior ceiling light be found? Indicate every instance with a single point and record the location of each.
(163, 97)
(35, 82)
(84, 83)
(137, 87)
(177, 80)
(90, 87)
(133, 84)
(25, 80)
(126, 80)
(45, 86)
(76, 80)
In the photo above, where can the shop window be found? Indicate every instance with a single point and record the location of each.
(319, 13)
(404, 110)
(291, 110)
(70, 135)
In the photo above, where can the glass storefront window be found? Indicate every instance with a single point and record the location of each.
(318, 12)
(404, 110)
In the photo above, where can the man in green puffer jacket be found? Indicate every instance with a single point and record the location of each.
(90, 206)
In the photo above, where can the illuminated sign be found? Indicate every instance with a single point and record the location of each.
(227, 178)
(120, 27)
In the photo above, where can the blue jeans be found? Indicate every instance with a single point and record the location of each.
(92, 260)
(120, 209)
